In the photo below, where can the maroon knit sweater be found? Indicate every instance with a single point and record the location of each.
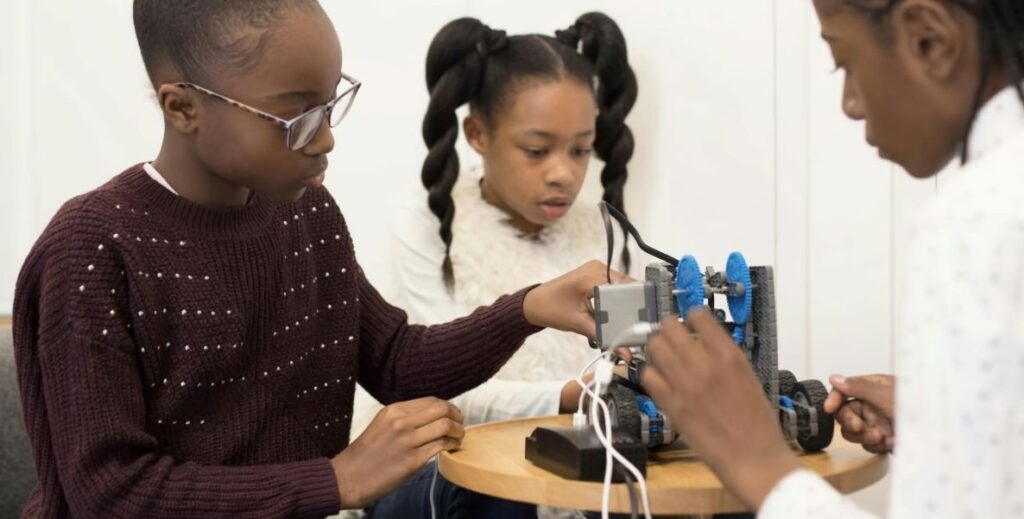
(182, 361)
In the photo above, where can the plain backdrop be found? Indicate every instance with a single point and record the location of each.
(740, 145)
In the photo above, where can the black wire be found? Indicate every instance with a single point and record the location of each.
(631, 486)
(609, 237)
(636, 236)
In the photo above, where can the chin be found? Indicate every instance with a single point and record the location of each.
(539, 222)
(296, 195)
(286, 196)
(921, 170)
(544, 220)
(925, 169)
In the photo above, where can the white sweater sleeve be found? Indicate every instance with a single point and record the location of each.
(417, 254)
(499, 399)
(803, 494)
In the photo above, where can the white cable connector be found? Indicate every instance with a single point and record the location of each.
(603, 373)
(579, 419)
(636, 333)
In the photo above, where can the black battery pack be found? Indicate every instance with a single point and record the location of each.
(576, 453)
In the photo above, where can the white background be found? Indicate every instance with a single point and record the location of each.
(741, 145)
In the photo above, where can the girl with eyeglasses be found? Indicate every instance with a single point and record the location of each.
(189, 335)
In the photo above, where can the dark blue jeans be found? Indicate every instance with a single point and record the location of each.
(412, 501)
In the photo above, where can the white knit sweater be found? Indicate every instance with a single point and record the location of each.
(491, 258)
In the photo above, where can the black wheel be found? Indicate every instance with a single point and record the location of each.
(812, 393)
(623, 409)
(786, 382)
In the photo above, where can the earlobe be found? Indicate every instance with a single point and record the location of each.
(476, 133)
(178, 106)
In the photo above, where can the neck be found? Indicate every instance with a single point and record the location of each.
(193, 180)
(517, 220)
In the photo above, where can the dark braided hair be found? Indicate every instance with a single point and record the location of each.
(468, 62)
(195, 36)
(1001, 29)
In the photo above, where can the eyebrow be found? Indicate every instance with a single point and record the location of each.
(549, 135)
(297, 96)
(829, 38)
(303, 95)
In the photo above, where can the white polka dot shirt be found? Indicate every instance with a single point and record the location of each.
(960, 347)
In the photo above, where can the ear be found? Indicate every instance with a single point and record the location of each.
(928, 33)
(180, 107)
(476, 133)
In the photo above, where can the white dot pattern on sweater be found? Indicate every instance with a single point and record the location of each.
(212, 313)
(194, 287)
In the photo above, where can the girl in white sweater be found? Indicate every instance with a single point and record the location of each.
(539, 106)
(535, 118)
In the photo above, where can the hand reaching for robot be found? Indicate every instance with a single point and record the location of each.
(864, 408)
(706, 386)
(564, 303)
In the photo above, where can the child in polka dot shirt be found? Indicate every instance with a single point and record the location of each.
(936, 83)
(188, 336)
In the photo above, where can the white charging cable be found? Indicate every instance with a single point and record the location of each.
(602, 378)
(433, 485)
(632, 334)
(605, 437)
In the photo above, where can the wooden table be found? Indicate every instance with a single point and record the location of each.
(492, 461)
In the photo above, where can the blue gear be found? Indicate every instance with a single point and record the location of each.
(786, 402)
(646, 406)
(738, 335)
(690, 281)
(736, 271)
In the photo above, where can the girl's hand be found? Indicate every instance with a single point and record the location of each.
(707, 388)
(570, 399)
(397, 443)
(564, 302)
(864, 407)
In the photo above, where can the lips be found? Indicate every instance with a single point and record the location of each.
(316, 179)
(555, 208)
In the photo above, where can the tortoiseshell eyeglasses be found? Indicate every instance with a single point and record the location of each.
(301, 129)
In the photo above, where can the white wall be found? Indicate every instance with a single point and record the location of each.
(740, 144)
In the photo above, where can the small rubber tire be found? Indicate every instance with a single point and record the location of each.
(786, 382)
(813, 394)
(623, 408)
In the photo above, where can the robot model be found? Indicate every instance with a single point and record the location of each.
(627, 313)
(673, 287)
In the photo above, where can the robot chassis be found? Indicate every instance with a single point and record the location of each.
(669, 290)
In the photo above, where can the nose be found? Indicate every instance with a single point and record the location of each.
(323, 141)
(852, 105)
(562, 172)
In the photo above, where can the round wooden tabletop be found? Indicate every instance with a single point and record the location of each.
(492, 461)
